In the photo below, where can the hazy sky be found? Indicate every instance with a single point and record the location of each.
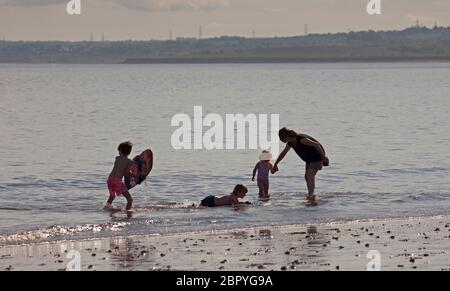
(154, 19)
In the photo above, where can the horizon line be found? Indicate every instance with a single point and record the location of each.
(193, 38)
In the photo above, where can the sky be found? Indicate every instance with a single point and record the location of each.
(157, 19)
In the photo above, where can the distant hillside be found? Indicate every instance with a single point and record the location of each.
(412, 44)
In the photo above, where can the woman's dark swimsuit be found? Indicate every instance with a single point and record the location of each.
(307, 153)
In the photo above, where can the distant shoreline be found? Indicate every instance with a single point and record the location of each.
(283, 60)
(414, 44)
(212, 61)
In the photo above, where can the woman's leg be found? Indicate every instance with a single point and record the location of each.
(310, 177)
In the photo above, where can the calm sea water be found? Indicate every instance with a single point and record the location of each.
(385, 128)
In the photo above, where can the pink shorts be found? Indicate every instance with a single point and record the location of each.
(116, 187)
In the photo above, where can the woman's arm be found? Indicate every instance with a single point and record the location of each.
(282, 155)
(316, 145)
(280, 158)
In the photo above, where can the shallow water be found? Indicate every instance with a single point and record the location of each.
(384, 126)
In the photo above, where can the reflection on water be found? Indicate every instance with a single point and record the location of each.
(265, 233)
(79, 130)
(311, 230)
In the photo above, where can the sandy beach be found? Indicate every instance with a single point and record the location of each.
(402, 244)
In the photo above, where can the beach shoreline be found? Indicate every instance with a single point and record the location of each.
(390, 244)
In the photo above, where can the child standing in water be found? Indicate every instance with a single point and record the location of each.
(122, 168)
(263, 167)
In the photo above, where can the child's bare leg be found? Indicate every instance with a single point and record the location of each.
(261, 188)
(129, 200)
(310, 177)
(266, 188)
(110, 199)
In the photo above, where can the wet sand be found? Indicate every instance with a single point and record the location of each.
(403, 244)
